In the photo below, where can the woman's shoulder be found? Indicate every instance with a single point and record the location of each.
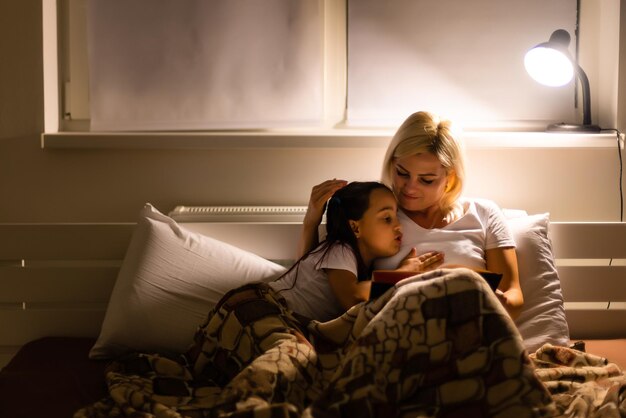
(480, 205)
(485, 210)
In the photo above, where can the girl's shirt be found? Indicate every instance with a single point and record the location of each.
(464, 242)
(311, 295)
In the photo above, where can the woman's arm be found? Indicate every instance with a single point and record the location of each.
(315, 210)
(346, 288)
(504, 261)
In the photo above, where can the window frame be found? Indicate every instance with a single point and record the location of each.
(67, 130)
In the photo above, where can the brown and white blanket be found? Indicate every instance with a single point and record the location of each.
(439, 344)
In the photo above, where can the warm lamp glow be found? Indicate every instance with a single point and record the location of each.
(551, 64)
(549, 67)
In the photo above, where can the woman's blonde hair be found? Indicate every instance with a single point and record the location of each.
(425, 132)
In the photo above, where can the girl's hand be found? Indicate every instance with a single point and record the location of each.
(421, 263)
(317, 202)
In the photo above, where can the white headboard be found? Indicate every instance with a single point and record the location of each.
(591, 261)
(56, 279)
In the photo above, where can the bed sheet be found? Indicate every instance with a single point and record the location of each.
(614, 350)
(437, 345)
(373, 361)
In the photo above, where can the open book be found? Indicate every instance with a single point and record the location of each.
(384, 279)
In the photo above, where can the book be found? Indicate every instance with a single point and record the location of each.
(382, 280)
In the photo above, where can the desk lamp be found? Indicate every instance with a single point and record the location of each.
(551, 64)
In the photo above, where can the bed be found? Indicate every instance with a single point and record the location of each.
(60, 304)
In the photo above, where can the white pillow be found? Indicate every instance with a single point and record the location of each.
(168, 282)
(542, 319)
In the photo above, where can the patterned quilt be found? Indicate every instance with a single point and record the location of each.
(438, 344)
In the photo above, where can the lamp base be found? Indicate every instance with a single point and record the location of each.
(568, 127)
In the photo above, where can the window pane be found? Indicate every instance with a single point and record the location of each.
(461, 59)
(197, 64)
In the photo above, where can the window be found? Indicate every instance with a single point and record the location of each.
(463, 59)
(379, 62)
(198, 64)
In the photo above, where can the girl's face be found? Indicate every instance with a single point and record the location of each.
(378, 232)
(419, 182)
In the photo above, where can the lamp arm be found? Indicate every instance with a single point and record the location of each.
(584, 81)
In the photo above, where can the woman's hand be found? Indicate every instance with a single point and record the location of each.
(314, 213)
(319, 196)
(509, 293)
(512, 300)
(421, 263)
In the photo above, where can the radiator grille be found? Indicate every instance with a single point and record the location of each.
(238, 213)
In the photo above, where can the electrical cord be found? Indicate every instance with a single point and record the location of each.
(618, 136)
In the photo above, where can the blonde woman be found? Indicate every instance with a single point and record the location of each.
(424, 167)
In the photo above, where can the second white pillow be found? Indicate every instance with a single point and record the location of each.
(542, 319)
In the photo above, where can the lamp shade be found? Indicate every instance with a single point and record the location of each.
(549, 67)
(550, 63)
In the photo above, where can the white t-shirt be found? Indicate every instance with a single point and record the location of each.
(463, 242)
(311, 295)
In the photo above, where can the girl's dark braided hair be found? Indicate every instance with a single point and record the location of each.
(346, 204)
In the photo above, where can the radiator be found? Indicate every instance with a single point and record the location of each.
(238, 213)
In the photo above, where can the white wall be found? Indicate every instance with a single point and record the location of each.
(83, 185)
(111, 185)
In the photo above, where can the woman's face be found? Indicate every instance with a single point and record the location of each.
(419, 181)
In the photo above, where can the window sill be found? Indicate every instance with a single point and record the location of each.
(337, 138)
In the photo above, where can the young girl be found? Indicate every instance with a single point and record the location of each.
(263, 324)
(361, 225)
